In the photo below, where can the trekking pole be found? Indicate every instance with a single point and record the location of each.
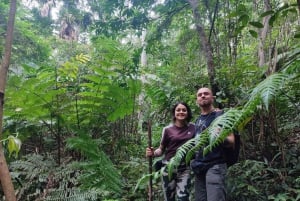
(150, 161)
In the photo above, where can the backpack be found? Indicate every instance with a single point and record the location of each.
(232, 155)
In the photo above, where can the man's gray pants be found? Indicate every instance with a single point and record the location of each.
(211, 186)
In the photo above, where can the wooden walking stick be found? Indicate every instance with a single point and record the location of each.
(150, 161)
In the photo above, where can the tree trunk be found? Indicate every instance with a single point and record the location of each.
(266, 119)
(5, 177)
(141, 98)
(205, 45)
(263, 35)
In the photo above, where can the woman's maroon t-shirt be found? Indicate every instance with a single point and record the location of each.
(173, 137)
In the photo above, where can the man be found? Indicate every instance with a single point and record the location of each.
(210, 183)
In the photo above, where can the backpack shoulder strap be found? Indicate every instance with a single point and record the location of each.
(218, 113)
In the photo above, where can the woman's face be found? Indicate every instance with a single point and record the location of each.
(181, 112)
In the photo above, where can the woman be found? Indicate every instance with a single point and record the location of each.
(173, 136)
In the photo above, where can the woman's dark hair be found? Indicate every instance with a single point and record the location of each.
(189, 111)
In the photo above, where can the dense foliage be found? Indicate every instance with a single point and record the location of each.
(86, 77)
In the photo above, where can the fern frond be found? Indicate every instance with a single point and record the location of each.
(34, 166)
(180, 155)
(73, 194)
(200, 142)
(268, 89)
(98, 170)
(233, 119)
(145, 178)
(83, 58)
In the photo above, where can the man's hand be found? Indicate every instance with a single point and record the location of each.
(229, 141)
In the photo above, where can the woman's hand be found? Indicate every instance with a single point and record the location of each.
(149, 152)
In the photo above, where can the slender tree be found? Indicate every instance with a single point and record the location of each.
(205, 44)
(263, 34)
(5, 177)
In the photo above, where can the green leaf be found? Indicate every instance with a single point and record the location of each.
(233, 14)
(14, 145)
(244, 19)
(272, 20)
(269, 12)
(283, 7)
(297, 35)
(253, 33)
(241, 8)
(292, 10)
(239, 30)
(256, 24)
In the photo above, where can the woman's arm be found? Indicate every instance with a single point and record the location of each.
(151, 153)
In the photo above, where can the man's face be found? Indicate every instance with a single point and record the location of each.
(204, 97)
